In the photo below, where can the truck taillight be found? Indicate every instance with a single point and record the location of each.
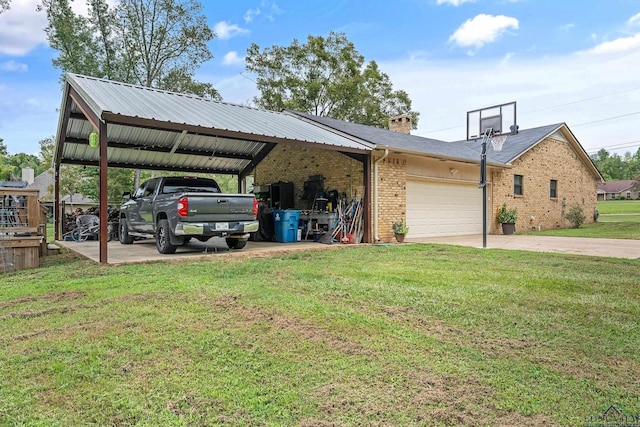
(183, 206)
(255, 207)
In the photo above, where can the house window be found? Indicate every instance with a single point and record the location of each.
(517, 185)
(628, 195)
(553, 188)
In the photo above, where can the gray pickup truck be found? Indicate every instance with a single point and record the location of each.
(173, 210)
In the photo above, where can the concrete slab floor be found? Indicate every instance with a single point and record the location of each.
(145, 250)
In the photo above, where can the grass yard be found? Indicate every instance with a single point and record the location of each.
(600, 229)
(619, 207)
(619, 219)
(371, 335)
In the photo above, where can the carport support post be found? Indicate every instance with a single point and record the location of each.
(104, 216)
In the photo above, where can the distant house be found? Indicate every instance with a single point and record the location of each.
(612, 190)
(44, 184)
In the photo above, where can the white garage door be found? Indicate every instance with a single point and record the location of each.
(443, 209)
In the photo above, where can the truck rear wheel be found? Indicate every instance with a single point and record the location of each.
(163, 238)
(234, 243)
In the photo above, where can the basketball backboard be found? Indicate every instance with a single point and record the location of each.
(501, 118)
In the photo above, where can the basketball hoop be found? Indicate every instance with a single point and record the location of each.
(497, 141)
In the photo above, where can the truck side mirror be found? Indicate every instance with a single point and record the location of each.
(126, 195)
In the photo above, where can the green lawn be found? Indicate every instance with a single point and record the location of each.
(619, 207)
(600, 229)
(371, 335)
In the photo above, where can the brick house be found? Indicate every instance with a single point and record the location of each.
(434, 184)
(625, 189)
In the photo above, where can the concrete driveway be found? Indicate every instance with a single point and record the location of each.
(145, 250)
(616, 248)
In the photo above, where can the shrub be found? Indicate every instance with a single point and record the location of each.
(399, 227)
(506, 215)
(576, 216)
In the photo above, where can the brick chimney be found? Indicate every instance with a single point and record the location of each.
(401, 123)
(27, 175)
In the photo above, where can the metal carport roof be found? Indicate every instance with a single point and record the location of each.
(146, 128)
(154, 129)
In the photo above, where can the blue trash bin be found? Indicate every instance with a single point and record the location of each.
(286, 225)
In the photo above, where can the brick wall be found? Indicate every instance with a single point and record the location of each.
(392, 195)
(550, 159)
(296, 164)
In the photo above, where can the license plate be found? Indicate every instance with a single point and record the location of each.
(222, 225)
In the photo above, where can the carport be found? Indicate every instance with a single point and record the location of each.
(145, 128)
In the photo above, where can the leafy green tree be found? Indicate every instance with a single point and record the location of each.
(47, 148)
(70, 179)
(615, 167)
(326, 77)
(14, 163)
(120, 180)
(4, 5)
(153, 43)
(3, 148)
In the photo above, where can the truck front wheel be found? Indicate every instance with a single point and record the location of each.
(234, 243)
(163, 238)
(123, 233)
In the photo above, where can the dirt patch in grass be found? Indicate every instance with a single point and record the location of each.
(428, 399)
(53, 297)
(303, 329)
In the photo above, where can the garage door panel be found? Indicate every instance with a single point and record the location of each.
(443, 209)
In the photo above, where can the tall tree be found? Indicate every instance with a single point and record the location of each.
(153, 43)
(3, 148)
(615, 167)
(326, 77)
(47, 147)
(4, 5)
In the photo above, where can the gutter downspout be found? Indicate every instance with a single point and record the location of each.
(376, 238)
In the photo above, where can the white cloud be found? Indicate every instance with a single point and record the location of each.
(21, 28)
(482, 29)
(273, 10)
(232, 58)
(567, 27)
(623, 44)
(32, 103)
(454, 2)
(634, 20)
(250, 14)
(14, 66)
(225, 31)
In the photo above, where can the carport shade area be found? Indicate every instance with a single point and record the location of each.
(146, 128)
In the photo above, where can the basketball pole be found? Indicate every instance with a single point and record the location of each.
(483, 182)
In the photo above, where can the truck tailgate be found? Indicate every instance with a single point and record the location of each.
(219, 207)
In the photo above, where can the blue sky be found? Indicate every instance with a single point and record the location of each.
(561, 60)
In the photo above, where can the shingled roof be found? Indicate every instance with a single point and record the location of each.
(384, 138)
(617, 186)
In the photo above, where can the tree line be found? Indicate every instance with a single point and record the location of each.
(615, 167)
